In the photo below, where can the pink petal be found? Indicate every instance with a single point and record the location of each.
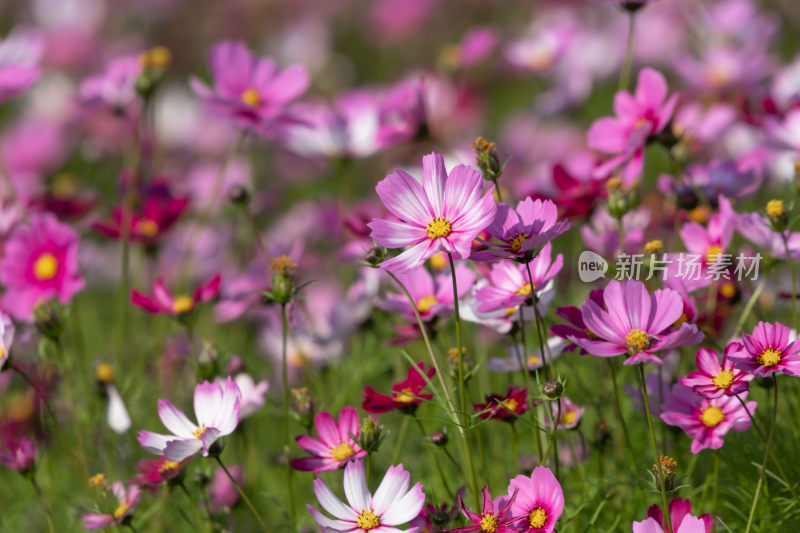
(434, 177)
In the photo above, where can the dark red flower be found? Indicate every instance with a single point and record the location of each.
(406, 394)
(504, 407)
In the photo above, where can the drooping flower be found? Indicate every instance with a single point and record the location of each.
(335, 447)
(40, 263)
(539, 502)
(163, 302)
(495, 515)
(433, 295)
(679, 512)
(519, 232)
(393, 504)
(443, 213)
(251, 91)
(216, 407)
(127, 498)
(638, 117)
(636, 323)
(6, 338)
(767, 351)
(508, 406)
(706, 421)
(509, 284)
(406, 394)
(714, 378)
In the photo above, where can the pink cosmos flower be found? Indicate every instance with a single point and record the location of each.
(510, 286)
(576, 327)
(40, 263)
(335, 446)
(539, 502)
(250, 91)
(571, 414)
(768, 350)
(216, 407)
(521, 231)
(252, 394)
(20, 53)
(601, 234)
(495, 516)
(392, 505)
(715, 379)
(433, 295)
(222, 492)
(679, 511)
(154, 473)
(127, 500)
(6, 338)
(17, 452)
(638, 117)
(163, 302)
(444, 213)
(475, 46)
(690, 524)
(636, 323)
(114, 89)
(712, 241)
(705, 421)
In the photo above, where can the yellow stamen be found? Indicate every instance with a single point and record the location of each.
(712, 253)
(517, 240)
(488, 523)
(537, 518)
(147, 227)
(769, 357)
(724, 379)
(342, 451)
(182, 304)
(198, 433)
(439, 227)
(534, 361)
(637, 340)
(404, 396)
(120, 511)
(367, 520)
(251, 97)
(158, 57)
(614, 184)
(569, 417)
(45, 267)
(511, 404)
(700, 214)
(525, 290)
(775, 208)
(424, 304)
(98, 481)
(438, 261)
(104, 373)
(168, 466)
(712, 416)
(653, 247)
(282, 264)
(728, 290)
(64, 185)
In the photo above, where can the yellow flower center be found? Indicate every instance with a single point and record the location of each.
(182, 304)
(438, 261)
(424, 304)
(534, 361)
(158, 57)
(700, 214)
(769, 357)
(367, 520)
(488, 523)
(712, 253)
(614, 184)
(251, 97)
(569, 417)
(104, 373)
(511, 404)
(147, 228)
(98, 481)
(728, 290)
(120, 511)
(342, 451)
(712, 416)
(775, 208)
(525, 290)
(198, 433)
(404, 396)
(724, 379)
(64, 185)
(45, 267)
(637, 340)
(517, 240)
(168, 466)
(439, 227)
(653, 247)
(537, 518)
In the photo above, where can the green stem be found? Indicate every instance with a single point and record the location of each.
(542, 341)
(749, 305)
(794, 280)
(39, 496)
(461, 383)
(664, 505)
(766, 454)
(523, 365)
(287, 399)
(243, 495)
(618, 409)
(435, 459)
(195, 509)
(514, 446)
(497, 190)
(401, 438)
(552, 439)
(627, 65)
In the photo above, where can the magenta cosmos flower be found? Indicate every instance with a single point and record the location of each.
(443, 213)
(636, 323)
(714, 378)
(40, 262)
(335, 446)
(517, 233)
(216, 407)
(507, 407)
(495, 516)
(251, 91)
(127, 500)
(509, 284)
(433, 295)
(638, 117)
(539, 502)
(679, 511)
(690, 524)
(163, 302)
(706, 421)
(767, 351)
(392, 505)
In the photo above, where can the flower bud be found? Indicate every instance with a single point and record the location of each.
(370, 434)
(303, 405)
(486, 158)
(452, 354)
(439, 438)
(632, 6)
(282, 287)
(375, 255)
(208, 360)
(653, 247)
(239, 195)
(48, 316)
(553, 389)
(667, 465)
(778, 214)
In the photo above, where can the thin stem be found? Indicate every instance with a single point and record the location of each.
(401, 438)
(794, 280)
(497, 192)
(435, 459)
(243, 495)
(749, 305)
(766, 454)
(287, 398)
(618, 409)
(514, 446)
(461, 384)
(523, 365)
(40, 497)
(664, 505)
(542, 341)
(195, 509)
(552, 440)
(627, 65)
